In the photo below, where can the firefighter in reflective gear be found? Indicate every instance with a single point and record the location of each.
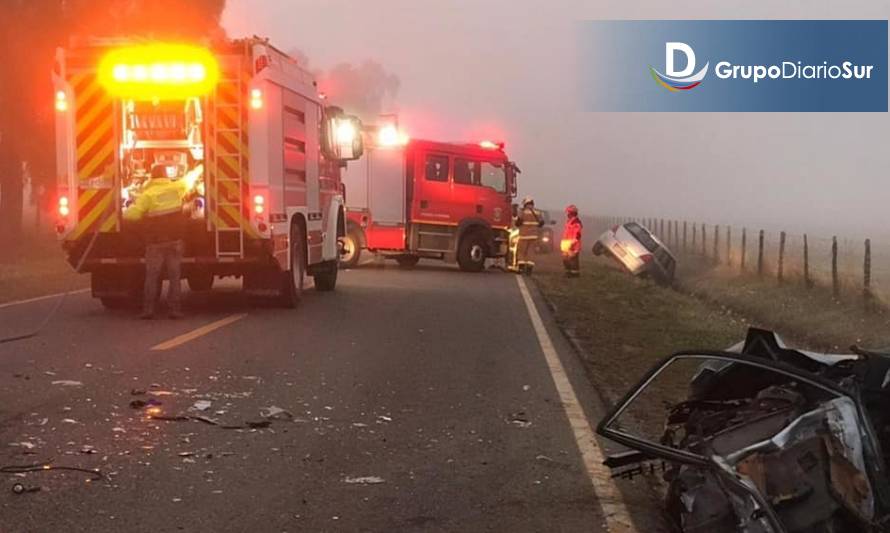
(570, 245)
(527, 221)
(159, 211)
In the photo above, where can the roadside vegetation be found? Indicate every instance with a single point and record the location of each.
(37, 267)
(624, 325)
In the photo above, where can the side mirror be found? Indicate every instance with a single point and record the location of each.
(341, 136)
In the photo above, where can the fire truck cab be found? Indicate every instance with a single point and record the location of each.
(413, 199)
(245, 128)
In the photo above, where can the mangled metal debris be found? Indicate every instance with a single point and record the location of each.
(762, 438)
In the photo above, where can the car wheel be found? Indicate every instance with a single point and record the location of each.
(598, 248)
(471, 253)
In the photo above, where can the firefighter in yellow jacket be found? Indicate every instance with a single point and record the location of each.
(527, 221)
(159, 210)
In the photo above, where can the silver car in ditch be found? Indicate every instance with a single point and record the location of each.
(637, 250)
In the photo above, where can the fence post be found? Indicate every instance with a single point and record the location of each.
(835, 288)
(661, 228)
(866, 275)
(704, 241)
(781, 257)
(729, 245)
(806, 262)
(744, 252)
(694, 231)
(716, 243)
(676, 234)
(760, 255)
(684, 236)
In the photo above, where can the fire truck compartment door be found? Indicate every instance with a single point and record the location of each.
(386, 187)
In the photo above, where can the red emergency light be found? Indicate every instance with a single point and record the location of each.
(491, 145)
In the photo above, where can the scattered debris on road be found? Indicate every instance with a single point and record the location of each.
(365, 480)
(67, 383)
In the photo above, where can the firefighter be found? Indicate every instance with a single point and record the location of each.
(159, 210)
(527, 221)
(570, 246)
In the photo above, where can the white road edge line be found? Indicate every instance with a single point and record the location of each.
(607, 493)
(39, 298)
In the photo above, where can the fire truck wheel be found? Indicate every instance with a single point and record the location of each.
(471, 253)
(292, 284)
(352, 249)
(326, 276)
(200, 281)
(407, 261)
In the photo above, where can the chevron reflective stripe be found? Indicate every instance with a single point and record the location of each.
(227, 153)
(94, 155)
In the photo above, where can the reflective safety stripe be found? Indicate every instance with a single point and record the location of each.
(164, 212)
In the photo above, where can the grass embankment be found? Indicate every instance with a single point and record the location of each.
(810, 317)
(37, 267)
(625, 324)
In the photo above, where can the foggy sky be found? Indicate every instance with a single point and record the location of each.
(505, 70)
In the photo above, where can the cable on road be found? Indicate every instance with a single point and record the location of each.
(48, 466)
(58, 304)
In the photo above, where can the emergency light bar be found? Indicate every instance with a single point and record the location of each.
(164, 71)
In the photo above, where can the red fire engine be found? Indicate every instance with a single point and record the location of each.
(241, 122)
(412, 199)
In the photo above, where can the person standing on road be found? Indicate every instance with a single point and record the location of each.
(570, 246)
(159, 210)
(527, 221)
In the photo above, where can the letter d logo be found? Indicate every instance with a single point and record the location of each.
(669, 52)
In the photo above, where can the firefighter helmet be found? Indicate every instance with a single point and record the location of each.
(528, 200)
(572, 210)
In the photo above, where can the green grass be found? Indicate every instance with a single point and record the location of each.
(625, 324)
(36, 268)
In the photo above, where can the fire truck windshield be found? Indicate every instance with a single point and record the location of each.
(494, 176)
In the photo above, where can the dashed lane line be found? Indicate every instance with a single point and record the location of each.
(607, 493)
(197, 333)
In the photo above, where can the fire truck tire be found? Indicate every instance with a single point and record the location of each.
(326, 276)
(407, 261)
(352, 249)
(200, 281)
(294, 278)
(472, 252)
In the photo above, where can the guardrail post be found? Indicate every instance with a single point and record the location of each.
(835, 287)
(866, 275)
(744, 252)
(760, 255)
(781, 270)
(806, 263)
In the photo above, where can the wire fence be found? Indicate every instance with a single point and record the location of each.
(846, 266)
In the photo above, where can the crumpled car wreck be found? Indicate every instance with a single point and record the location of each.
(762, 438)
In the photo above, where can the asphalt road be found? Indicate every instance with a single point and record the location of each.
(415, 401)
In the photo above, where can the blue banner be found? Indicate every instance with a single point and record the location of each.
(734, 65)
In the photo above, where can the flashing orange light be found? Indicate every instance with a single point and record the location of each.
(64, 209)
(256, 99)
(61, 101)
(164, 71)
(259, 204)
(389, 135)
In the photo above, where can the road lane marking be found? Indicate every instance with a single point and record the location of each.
(607, 493)
(39, 298)
(196, 333)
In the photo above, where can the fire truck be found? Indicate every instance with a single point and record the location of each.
(409, 199)
(241, 122)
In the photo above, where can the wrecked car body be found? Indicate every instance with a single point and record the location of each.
(761, 438)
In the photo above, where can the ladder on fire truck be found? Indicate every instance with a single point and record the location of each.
(224, 246)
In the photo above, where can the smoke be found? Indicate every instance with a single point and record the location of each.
(365, 89)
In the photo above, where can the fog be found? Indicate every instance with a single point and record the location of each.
(506, 70)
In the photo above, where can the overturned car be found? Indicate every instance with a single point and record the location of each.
(762, 438)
